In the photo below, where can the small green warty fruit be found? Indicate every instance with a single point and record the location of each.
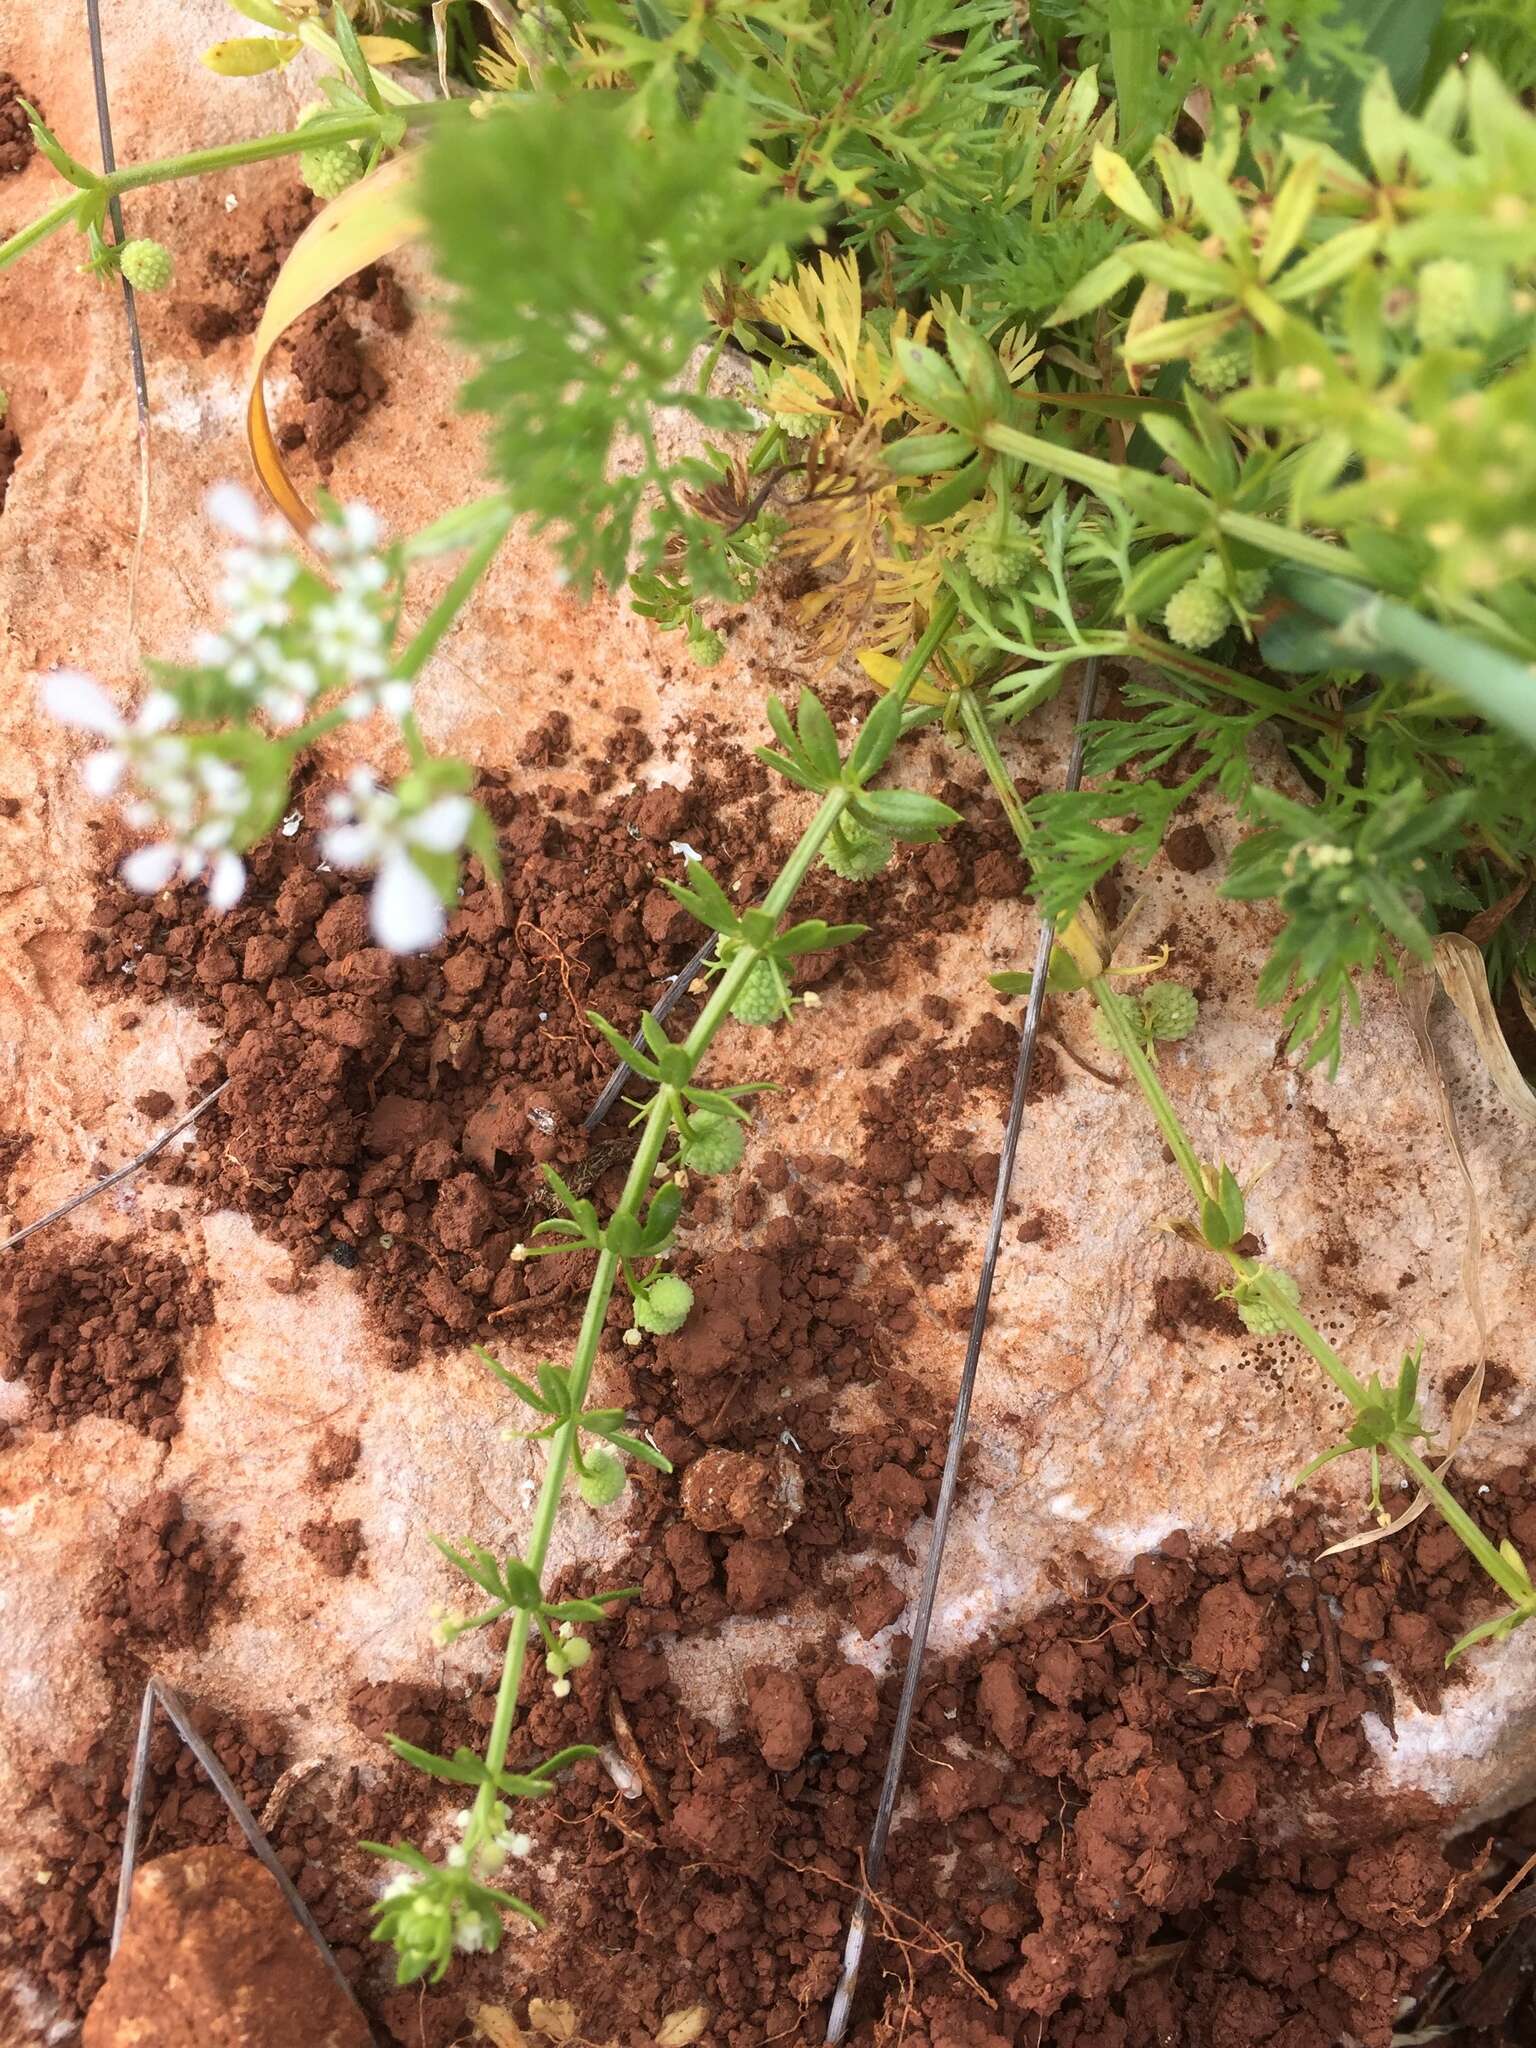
(1257, 1316)
(795, 426)
(330, 169)
(1168, 1010)
(664, 1305)
(997, 555)
(1250, 584)
(1101, 1031)
(1223, 365)
(1447, 302)
(147, 265)
(760, 999)
(856, 851)
(599, 1486)
(1197, 615)
(714, 1144)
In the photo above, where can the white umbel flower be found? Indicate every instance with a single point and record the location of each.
(198, 796)
(372, 829)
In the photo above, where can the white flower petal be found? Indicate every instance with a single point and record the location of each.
(442, 825)
(235, 510)
(350, 846)
(151, 867)
(101, 773)
(403, 910)
(79, 700)
(226, 883)
(156, 712)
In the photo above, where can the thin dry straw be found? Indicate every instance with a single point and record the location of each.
(99, 1187)
(158, 1694)
(874, 1861)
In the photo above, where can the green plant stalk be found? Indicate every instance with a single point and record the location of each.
(427, 638)
(1501, 687)
(979, 732)
(642, 1171)
(1244, 689)
(134, 177)
(1187, 1160)
(1286, 1312)
(1112, 479)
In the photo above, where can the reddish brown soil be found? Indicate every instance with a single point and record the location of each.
(1096, 1855)
(99, 1328)
(338, 380)
(17, 147)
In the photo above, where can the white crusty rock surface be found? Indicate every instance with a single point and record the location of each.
(1096, 1434)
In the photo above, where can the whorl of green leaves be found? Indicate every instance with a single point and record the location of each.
(579, 262)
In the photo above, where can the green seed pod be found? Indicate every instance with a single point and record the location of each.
(578, 1651)
(1257, 1316)
(998, 553)
(856, 851)
(664, 1305)
(147, 265)
(796, 426)
(1168, 1010)
(599, 1486)
(1447, 302)
(1224, 365)
(760, 999)
(330, 169)
(1197, 615)
(714, 1143)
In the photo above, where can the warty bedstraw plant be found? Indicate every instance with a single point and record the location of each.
(445, 1905)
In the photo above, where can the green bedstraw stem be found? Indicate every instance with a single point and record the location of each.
(1284, 1310)
(653, 1140)
(1114, 480)
(133, 177)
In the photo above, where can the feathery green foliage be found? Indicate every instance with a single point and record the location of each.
(578, 265)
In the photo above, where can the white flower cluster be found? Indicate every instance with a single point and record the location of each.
(286, 640)
(472, 1931)
(373, 827)
(191, 792)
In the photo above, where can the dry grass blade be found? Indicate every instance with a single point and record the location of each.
(99, 1187)
(1464, 976)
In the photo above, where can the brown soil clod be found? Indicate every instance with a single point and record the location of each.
(100, 1327)
(211, 1957)
(17, 147)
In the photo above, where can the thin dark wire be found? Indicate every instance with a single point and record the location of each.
(874, 1860)
(681, 984)
(130, 304)
(159, 1694)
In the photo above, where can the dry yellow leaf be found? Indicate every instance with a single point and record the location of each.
(681, 2028)
(371, 218)
(387, 49)
(499, 2027)
(555, 2018)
